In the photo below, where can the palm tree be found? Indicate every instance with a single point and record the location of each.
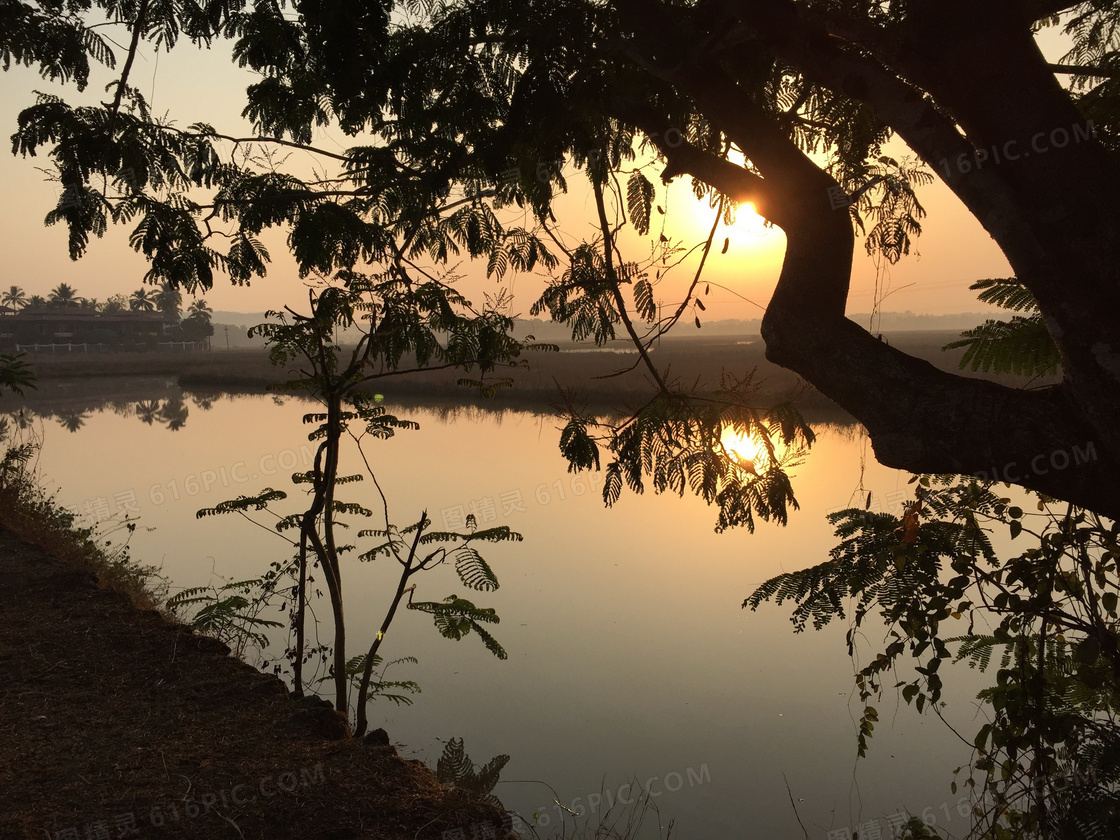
(200, 309)
(15, 297)
(72, 421)
(63, 295)
(35, 302)
(169, 299)
(116, 303)
(141, 301)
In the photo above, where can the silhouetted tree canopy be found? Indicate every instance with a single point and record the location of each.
(462, 108)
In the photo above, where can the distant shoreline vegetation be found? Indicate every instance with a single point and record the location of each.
(77, 381)
(239, 322)
(230, 328)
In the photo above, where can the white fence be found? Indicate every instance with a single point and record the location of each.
(70, 348)
(170, 346)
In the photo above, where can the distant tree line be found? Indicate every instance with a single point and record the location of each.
(166, 299)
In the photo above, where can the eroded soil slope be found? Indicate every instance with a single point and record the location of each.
(115, 723)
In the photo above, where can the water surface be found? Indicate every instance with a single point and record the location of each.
(632, 665)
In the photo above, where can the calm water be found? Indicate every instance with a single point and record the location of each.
(632, 665)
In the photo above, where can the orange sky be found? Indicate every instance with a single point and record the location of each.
(194, 85)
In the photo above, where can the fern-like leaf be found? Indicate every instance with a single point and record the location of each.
(639, 200)
(1021, 346)
(474, 571)
(243, 503)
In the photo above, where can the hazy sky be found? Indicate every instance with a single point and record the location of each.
(193, 85)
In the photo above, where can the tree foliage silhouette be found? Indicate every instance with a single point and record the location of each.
(1047, 759)
(471, 107)
(432, 328)
(465, 109)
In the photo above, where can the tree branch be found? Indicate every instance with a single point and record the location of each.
(1036, 10)
(133, 46)
(620, 302)
(1080, 70)
(919, 418)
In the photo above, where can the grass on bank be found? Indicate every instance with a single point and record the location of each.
(35, 516)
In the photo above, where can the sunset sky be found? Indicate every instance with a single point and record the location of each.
(195, 85)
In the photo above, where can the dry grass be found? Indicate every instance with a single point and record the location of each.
(28, 512)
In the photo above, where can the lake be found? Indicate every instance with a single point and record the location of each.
(632, 665)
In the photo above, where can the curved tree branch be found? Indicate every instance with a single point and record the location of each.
(919, 418)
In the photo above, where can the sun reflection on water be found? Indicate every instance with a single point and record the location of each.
(745, 448)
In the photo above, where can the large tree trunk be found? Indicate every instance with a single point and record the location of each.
(1051, 208)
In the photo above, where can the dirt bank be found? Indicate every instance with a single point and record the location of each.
(115, 723)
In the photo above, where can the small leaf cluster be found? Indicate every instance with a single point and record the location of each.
(229, 613)
(15, 373)
(456, 617)
(1022, 345)
(675, 444)
(454, 768)
(397, 692)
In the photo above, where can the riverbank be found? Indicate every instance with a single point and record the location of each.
(112, 719)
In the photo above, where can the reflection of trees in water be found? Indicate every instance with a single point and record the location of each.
(72, 420)
(122, 408)
(12, 421)
(21, 419)
(174, 413)
(171, 413)
(204, 399)
(24, 418)
(147, 411)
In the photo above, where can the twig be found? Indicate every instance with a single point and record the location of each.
(55, 665)
(231, 822)
(794, 806)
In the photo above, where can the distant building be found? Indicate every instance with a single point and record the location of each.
(80, 325)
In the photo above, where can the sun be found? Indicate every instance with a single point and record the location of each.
(750, 235)
(749, 224)
(692, 218)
